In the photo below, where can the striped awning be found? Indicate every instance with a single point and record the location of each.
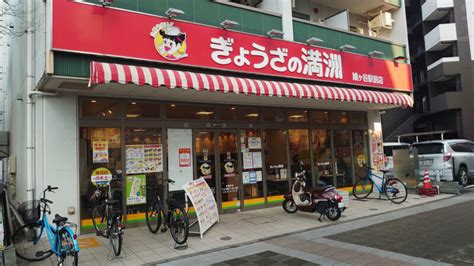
(102, 73)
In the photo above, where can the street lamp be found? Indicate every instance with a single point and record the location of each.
(226, 24)
(173, 12)
(314, 41)
(275, 33)
(346, 47)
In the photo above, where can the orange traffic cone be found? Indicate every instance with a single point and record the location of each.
(427, 189)
(426, 180)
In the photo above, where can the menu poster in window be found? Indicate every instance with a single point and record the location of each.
(135, 187)
(203, 202)
(259, 176)
(100, 152)
(252, 177)
(184, 157)
(257, 159)
(135, 159)
(247, 160)
(153, 158)
(255, 143)
(245, 177)
(111, 135)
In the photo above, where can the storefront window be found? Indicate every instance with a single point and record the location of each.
(100, 108)
(274, 146)
(272, 114)
(320, 117)
(251, 149)
(206, 158)
(189, 111)
(101, 159)
(297, 115)
(342, 154)
(323, 155)
(341, 118)
(359, 118)
(143, 169)
(359, 142)
(299, 150)
(229, 170)
(239, 113)
(142, 109)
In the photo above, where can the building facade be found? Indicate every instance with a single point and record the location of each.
(235, 92)
(441, 51)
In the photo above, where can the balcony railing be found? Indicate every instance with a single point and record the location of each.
(436, 9)
(441, 37)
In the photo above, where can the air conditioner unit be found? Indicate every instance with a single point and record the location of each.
(382, 21)
(356, 29)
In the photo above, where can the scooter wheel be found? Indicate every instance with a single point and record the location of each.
(333, 213)
(289, 206)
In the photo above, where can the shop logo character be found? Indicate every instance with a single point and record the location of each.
(206, 169)
(169, 41)
(229, 167)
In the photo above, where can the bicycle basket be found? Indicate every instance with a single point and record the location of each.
(30, 211)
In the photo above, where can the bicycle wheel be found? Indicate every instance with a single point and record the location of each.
(68, 255)
(115, 238)
(153, 216)
(98, 219)
(28, 243)
(179, 225)
(395, 190)
(362, 188)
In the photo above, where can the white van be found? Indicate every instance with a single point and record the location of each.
(388, 148)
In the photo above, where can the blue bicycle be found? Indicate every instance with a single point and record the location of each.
(393, 188)
(31, 246)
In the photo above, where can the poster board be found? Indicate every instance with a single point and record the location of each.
(144, 158)
(135, 189)
(204, 203)
(180, 159)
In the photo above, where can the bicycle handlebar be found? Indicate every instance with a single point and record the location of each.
(171, 181)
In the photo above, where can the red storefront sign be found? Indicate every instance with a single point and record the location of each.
(93, 29)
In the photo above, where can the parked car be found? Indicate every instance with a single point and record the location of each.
(451, 160)
(388, 148)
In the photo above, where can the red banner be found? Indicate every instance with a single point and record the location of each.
(87, 28)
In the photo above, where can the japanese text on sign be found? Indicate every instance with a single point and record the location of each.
(312, 62)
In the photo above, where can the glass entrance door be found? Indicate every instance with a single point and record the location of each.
(229, 171)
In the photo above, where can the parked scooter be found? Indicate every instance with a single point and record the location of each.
(324, 200)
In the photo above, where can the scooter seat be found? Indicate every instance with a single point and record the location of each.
(319, 189)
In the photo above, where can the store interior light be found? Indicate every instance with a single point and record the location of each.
(173, 105)
(173, 12)
(314, 41)
(227, 24)
(134, 103)
(139, 129)
(233, 108)
(110, 111)
(346, 47)
(275, 33)
(133, 115)
(296, 116)
(204, 113)
(93, 101)
(376, 53)
(252, 115)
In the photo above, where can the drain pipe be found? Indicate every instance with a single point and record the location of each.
(30, 112)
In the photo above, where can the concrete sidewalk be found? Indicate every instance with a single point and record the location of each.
(141, 246)
(316, 246)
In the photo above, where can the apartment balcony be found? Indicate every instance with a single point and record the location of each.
(435, 9)
(443, 69)
(441, 37)
(446, 101)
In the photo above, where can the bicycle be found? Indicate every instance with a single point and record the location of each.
(113, 228)
(62, 239)
(393, 188)
(176, 218)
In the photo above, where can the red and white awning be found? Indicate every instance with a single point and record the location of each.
(102, 73)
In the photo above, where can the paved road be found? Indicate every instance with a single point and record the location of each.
(438, 233)
(445, 235)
